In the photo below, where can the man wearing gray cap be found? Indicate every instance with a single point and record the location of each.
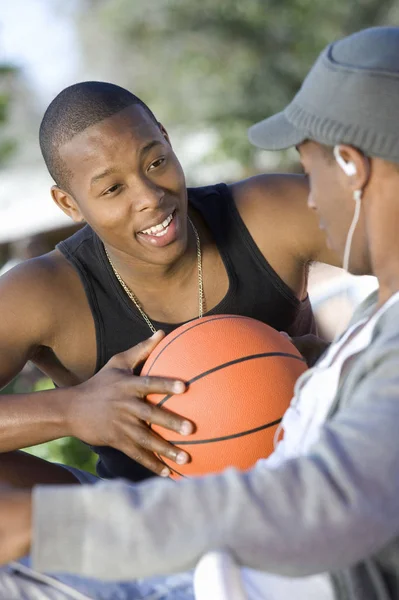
(324, 508)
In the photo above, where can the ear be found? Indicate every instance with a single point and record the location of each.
(164, 133)
(67, 204)
(359, 173)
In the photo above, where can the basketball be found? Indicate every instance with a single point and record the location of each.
(240, 374)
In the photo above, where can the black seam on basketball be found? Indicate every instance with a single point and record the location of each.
(226, 437)
(202, 322)
(169, 467)
(233, 362)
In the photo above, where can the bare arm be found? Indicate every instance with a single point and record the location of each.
(274, 209)
(28, 323)
(107, 409)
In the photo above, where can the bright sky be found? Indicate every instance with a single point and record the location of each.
(38, 35)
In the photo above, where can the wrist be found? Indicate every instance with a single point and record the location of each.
(72, 418)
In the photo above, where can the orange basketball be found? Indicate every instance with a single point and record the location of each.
(240, 374)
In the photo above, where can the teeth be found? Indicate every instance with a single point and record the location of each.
(160, 229)
(161, 233)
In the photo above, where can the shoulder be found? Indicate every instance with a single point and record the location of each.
(274, 209)
(200, 195)
(255, 191)
(278, 197)
(37, 274)
(270, 187)
(83, 237)
(38, 290)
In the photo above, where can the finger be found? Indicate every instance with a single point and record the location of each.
(139, 353)
(141, 455)
(145, 411)
(148, 460)
(285, 334)
(146, 384)
(144, 438)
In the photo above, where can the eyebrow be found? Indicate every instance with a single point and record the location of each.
(101, 175)
(149, 146)
(144, 150)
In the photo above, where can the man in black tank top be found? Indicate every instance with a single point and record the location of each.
(84, 312)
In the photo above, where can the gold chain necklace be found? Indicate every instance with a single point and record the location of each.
(133, 298)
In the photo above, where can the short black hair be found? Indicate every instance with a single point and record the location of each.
(74, 109)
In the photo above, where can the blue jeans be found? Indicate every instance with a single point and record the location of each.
(22, 583)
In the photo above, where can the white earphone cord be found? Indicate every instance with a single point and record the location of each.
(348, 244)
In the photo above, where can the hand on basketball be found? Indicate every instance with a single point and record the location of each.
(111, 409)
(15, 524)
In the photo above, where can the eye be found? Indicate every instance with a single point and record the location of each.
(157, 163)
(112, 189)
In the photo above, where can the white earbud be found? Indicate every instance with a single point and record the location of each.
(349, 168)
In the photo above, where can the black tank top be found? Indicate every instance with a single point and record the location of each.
(255, 290)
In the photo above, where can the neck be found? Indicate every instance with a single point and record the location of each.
(157, 288)
(136, 272)
(386, 291)
(386, 270)
(385, 267)
(381, 214)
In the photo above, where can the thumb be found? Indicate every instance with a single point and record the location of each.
(285, 334)
(139, 353)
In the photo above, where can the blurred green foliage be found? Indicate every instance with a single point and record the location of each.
(225, 64)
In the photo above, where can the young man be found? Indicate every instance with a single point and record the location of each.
(152, 256)
(324, 507)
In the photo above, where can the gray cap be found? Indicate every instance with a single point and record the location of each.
(350, 96)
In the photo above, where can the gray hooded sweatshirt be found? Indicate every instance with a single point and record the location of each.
(333, 510)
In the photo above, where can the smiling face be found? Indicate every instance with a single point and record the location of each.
(331, 196)
(128, 185)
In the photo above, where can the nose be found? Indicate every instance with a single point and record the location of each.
(146, 195)
(311, 203)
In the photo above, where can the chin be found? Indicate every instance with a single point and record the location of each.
(359, 270)
(173, 253)
(355, 271)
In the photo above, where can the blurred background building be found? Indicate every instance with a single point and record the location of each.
(208, 69)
